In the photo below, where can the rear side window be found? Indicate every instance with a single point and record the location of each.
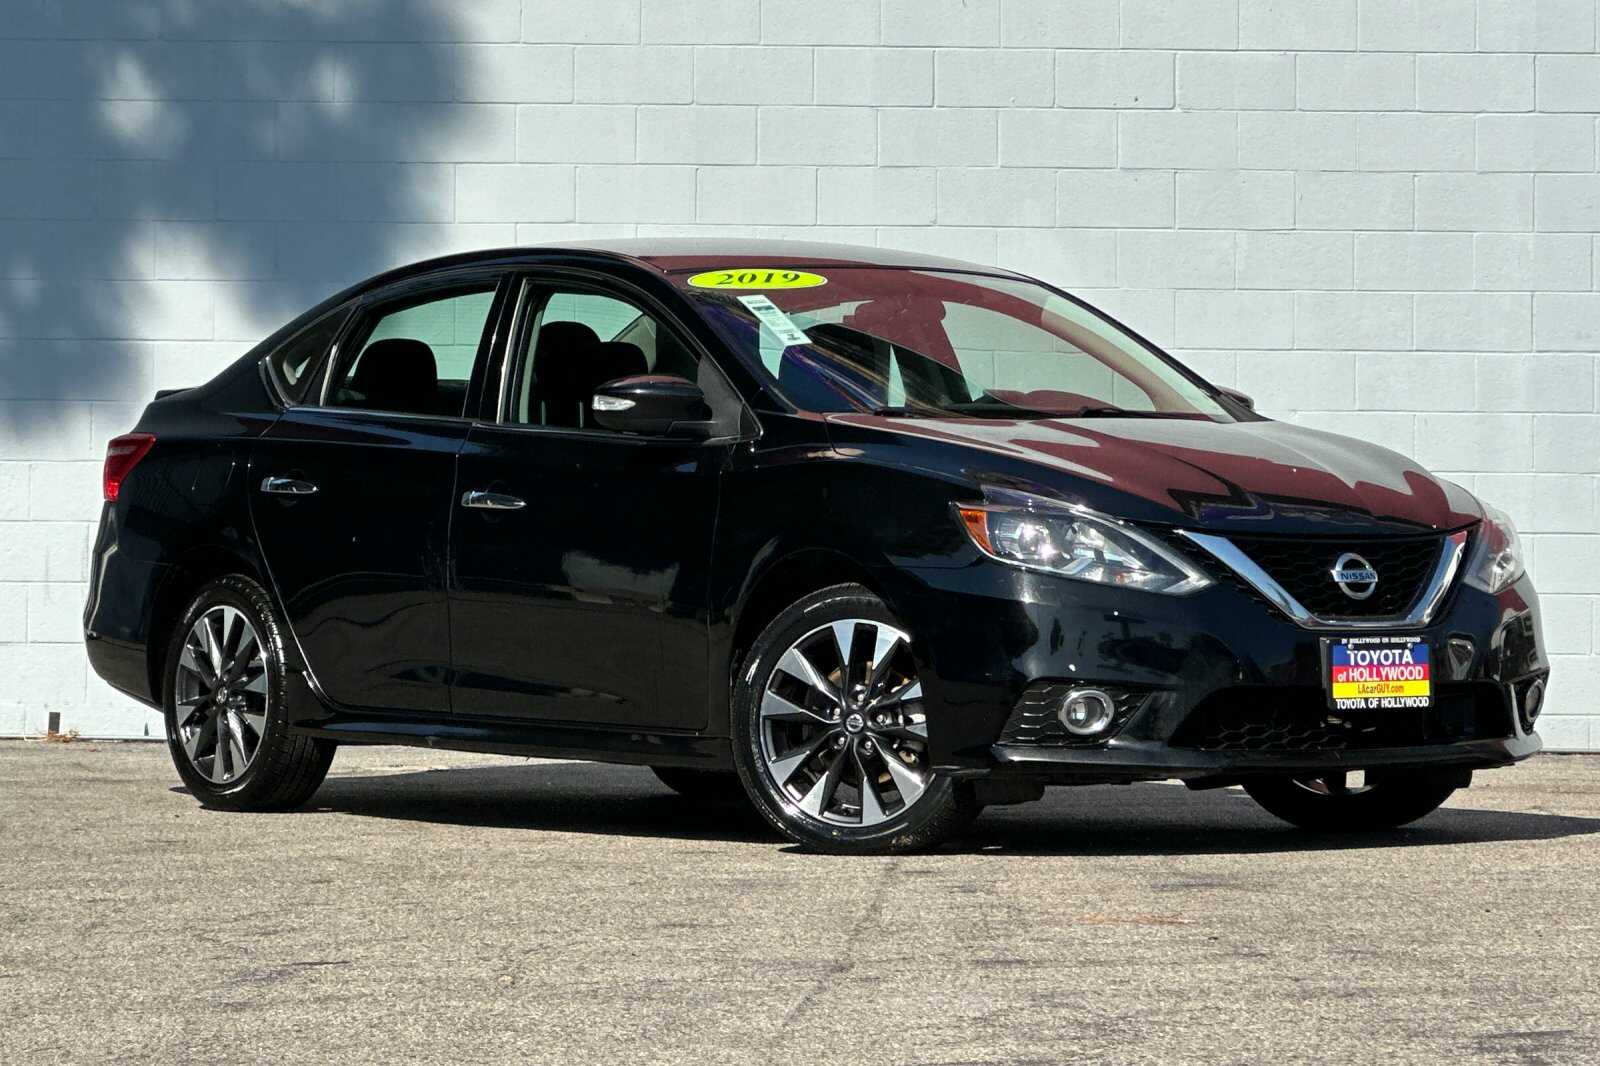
(415, 356)
(294, 365)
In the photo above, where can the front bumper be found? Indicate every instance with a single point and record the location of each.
(1126, 759)
(993, 638)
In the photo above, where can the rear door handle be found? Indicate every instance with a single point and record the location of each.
(288, 486)
(491, 501)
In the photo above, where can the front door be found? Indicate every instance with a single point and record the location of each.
(351, 496)
(580, 556)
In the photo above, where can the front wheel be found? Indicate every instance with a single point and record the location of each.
(830, 735)
(1341, 802)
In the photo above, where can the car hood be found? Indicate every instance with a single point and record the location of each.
(1262, 476)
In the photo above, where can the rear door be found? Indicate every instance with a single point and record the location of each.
(350, 492)
(580, 556)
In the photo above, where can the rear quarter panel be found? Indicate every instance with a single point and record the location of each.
(180, 517)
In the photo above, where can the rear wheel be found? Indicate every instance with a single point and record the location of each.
(830, 736)
(224, 704)
(706, 786)
(1353, 802)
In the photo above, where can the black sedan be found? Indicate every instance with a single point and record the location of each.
(873, 538)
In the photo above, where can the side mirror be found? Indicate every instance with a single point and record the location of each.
(658, 405)
(1238, 397)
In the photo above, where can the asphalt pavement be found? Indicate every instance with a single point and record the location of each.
(434, 907)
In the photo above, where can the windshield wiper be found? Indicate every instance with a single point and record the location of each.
(999, 409)
(911, 412)
(965, 411)
(1002, 410)
(1006, 410)
(1107, 411)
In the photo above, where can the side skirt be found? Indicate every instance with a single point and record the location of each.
(311, 713)
(544, 739)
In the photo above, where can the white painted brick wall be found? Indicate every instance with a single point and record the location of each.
(1378, 216)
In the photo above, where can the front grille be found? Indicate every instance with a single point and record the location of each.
(1303, 567)
(1033, 722)
(1298, 719)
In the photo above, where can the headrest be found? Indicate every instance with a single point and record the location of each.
(559, 346)
(397, 374)
(611, 360)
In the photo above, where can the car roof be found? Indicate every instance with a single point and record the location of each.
(670, 255)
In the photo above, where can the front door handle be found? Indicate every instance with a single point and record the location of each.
(491, 501)
(288, 486)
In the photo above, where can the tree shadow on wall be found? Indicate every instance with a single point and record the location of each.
(172, 195)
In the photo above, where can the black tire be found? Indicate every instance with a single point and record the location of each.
(705, 786)
(942, 810)
(285, 769)
(1389, 801)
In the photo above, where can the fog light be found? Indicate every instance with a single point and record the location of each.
(1533, 701)
(1086, 711)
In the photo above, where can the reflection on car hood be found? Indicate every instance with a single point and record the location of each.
(1257, 475)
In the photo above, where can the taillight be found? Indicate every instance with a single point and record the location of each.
(122, 454)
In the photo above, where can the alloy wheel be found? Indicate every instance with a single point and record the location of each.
(220, 713)
(843, 733)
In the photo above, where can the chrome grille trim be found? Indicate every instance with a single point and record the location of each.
(1453, 550)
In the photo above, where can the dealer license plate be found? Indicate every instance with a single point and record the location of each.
(1378, 673)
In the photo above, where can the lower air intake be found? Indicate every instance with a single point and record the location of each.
(1291, 720)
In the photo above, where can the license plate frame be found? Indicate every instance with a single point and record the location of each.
(1378, 672)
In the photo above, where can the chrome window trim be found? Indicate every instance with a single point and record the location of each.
(329, 361)
(1451, 555)
(375, 414)
(602, 435)
(525, 285)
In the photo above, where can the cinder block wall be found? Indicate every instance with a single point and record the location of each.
(1376, 216)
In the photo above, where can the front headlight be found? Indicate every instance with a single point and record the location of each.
(1041, 534)
(1496, 559)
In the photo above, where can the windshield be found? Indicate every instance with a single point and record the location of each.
(926, 343)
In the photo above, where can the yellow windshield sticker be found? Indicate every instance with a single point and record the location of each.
(758, 278)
